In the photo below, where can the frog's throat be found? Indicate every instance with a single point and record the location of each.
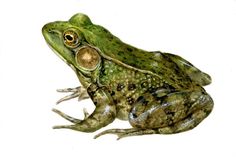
(70, 65)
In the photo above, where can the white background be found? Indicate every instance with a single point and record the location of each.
(202, 31)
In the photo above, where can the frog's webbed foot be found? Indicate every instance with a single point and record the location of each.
(79, 92)
(121, 133)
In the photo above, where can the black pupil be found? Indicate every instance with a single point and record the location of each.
(69, 37)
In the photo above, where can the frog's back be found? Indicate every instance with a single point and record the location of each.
(155, 62)
(160, 64)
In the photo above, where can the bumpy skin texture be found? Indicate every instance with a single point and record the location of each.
(158, 93)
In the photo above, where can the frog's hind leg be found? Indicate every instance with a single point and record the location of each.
(188, 123)
(176, 113)
(79, 92)
(194, 73)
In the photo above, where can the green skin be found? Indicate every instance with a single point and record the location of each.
(158, 93)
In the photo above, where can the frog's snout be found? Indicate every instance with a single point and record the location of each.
(48, 29)
(51, 34)
(45, 29)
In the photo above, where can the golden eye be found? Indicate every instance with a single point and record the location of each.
(71, 39)
(88, 58)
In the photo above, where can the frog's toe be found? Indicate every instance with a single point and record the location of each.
(137, 133)
(65, 90)
(79, 92)
(63, 127)
(122, 133)
(68, 97)
(119, 132)
(67, 117)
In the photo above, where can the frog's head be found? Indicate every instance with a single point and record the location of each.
(68, 41)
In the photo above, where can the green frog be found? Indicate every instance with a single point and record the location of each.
(158, 93)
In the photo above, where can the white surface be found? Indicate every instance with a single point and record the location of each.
(202, 31)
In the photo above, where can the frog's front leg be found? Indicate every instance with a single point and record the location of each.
(69, 118)
(79, 92)
(174, 113)
(104, 113)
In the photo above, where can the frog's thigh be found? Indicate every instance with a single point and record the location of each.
(174, 113)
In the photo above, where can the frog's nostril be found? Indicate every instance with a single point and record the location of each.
(45, 29)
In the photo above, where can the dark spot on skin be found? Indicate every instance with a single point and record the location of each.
(106, 31)
(134, 115)
(152, 90)
(129, 49)
(170, 121)
(91, 90)
(155, 94)
(181, 85)
(131, 86)
(160, 73)
(142, 100)
(113, 93)
(172, 79)
(120, 86)
(145, 103)
(130, 100)
(120, 53)
(115, 101)
(144, 84)
(157, 98)
(188, 105)
(169, 87)
(170, 114)
(203, 92)
(132, 64)
(161, 123)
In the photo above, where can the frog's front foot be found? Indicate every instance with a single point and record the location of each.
(79, 92)
(69, 118)
(121, 133)
(104, 114)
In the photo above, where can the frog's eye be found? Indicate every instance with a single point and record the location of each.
(71, 39)
(88, 58)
